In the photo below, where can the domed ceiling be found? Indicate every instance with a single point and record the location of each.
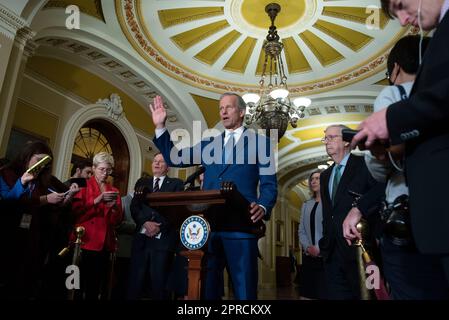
(334, 51)
(217, 45)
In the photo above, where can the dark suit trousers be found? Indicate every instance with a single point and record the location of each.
(149, 270)
(93, 273)
(342, 277)
(413, 275)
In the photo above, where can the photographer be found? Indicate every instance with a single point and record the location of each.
(411, 275)
(420, 123)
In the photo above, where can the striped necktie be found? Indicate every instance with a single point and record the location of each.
(156, 185)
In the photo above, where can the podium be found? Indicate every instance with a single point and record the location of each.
(225, 210)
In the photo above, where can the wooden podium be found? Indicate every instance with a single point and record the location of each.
(224, 209)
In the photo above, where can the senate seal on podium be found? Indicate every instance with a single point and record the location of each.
(194, 232)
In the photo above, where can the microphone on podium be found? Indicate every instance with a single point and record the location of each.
(190, 181)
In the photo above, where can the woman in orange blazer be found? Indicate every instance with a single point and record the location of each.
(98, 209)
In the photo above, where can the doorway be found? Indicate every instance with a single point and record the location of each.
(99, 135)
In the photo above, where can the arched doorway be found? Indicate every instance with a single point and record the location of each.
(99, 135)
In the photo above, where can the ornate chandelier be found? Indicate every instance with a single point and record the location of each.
(272, 108)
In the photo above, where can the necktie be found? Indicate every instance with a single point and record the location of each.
(156, 185)
(337, 176)
(227, 149)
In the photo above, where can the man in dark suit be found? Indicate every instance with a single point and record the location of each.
(155, 240)
(421, 124)
(243, 157)
(348, 173)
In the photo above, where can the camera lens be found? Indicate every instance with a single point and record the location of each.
(397, 227)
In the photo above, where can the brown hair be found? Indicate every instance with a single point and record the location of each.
(20, 163)
(310, 181)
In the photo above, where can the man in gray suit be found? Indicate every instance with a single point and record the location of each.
(125, 232)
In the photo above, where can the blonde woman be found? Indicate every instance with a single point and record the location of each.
(98, 209)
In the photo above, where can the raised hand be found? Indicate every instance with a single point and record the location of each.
(158, 112)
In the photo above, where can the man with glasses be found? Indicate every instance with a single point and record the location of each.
(348, 174)
(155, 240)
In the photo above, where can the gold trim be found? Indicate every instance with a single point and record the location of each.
(167, 21)
(314, 42)
(326, 27)
(187, 39)
(213, 52)
(156, 57)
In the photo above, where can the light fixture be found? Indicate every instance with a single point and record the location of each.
(272, 108)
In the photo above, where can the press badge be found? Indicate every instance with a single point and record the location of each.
(25, 223)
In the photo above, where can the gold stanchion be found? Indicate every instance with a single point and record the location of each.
(76, 254)
(362, 257)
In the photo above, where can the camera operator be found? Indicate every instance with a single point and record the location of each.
(411, 275)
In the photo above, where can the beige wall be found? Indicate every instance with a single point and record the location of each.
(36, 121)
(45, 109)
(5, 51)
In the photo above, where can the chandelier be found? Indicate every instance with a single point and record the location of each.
(272, 108)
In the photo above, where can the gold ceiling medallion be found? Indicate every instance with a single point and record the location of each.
(226, 57)
(299, 15)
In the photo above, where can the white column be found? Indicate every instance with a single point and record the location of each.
(15, 48)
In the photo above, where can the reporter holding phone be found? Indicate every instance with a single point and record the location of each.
(98, 209)
(29, 221)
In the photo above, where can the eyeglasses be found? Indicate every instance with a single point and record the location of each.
(330, 138)
(107, 170)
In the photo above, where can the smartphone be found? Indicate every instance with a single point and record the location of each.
(348, 134)
(112, 194)
(38, 166)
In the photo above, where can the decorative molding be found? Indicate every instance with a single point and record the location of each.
(96, 12)
(133, 26)
(140, 87)
(113, 106)
(10, 22)
(30, 48)
(311, 15)
(23, 36)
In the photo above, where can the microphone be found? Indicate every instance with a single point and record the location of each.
(190, 181)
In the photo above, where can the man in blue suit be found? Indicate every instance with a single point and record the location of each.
(243, 157)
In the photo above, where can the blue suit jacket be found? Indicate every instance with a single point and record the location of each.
(250, 168)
